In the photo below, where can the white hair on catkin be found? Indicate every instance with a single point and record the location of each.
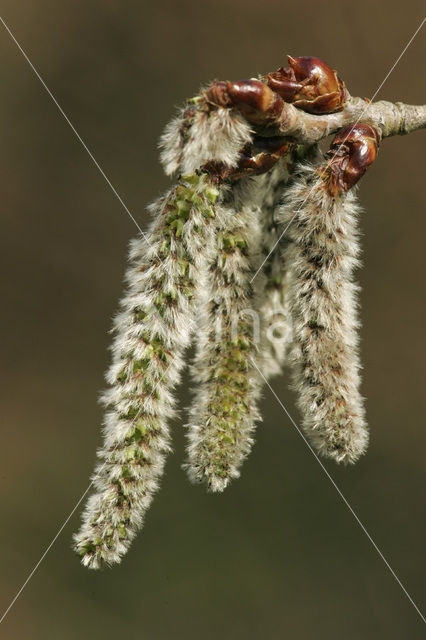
(272, 281)
(224, 409)
(323, 253)
(151, 332)
(195, 137)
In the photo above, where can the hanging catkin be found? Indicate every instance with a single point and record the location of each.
(323, 253)
(151, 332)
(224, 411)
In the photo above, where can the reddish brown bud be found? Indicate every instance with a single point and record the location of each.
(280, 81)
(352, 151)
(310, 84)
(262, 155)
(217, 94)
(255, 101)
(255, 158)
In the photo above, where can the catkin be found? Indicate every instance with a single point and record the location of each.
(223, 414)
(322, 251)
(272, 281)
(195, 137)
(151, 332)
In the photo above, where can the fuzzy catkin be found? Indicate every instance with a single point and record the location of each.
(224, 411)
(272, 281)
(323, 253)
(151, 332)
(195, 137)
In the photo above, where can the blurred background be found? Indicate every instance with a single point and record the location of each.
(278, 554)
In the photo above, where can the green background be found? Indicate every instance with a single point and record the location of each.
(278, 555)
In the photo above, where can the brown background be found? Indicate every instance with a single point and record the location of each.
(278, 555)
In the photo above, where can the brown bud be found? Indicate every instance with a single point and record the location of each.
(352, 151)
(310, 84)
(255, 101)
(262, 155)
(281, 82)
(218, 171)
(255, 158)
(217, 94)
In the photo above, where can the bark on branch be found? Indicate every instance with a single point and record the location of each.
(391, 118)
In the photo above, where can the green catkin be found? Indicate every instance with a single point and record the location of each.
(224, 410)
(151, 332)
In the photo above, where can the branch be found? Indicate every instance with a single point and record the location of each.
(215, 126)
(390, 118)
